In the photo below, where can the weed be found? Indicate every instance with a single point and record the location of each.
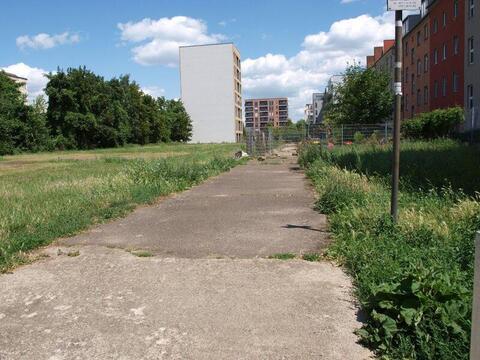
(313, 257)
(142, 253)
(414, 279)
(283, 256)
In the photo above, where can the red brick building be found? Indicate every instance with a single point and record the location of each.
(416, 66)
(447, 44)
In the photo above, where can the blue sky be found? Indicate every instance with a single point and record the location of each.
(288, 48)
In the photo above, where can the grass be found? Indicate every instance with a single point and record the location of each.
(50, 195)
(414, 279)
(142, 253)
(283, 256)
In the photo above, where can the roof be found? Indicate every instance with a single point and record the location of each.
(266, 99)
(14, 76)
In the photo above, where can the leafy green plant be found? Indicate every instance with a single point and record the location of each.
(358, 137)
(435, 124)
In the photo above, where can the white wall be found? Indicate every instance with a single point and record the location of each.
(207, 91)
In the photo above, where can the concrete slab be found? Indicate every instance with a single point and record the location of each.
(109, 304)
(258, 209)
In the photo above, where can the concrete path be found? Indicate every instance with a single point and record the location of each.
(208, 293)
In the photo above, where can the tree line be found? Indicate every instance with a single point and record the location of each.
(85, 111)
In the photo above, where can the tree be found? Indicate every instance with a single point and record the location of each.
(364, 97)
(12, 105)
(180, 123)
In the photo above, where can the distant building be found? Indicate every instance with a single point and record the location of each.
(308, 113)
(259, 113)
(384, 59)
(211, 91)
(317, 106)
(19, 80)
(472, 65)
(333, 82)
(416, 66)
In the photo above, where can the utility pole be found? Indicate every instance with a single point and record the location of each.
(398, 113)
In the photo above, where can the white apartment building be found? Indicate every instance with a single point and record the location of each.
(211, 91)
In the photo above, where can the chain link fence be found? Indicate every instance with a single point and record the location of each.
(260, 142)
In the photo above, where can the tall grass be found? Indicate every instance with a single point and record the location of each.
(63, 197)
(413, 279)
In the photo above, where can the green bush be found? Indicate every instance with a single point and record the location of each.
(435, 124)
(358, 137)
(308, 153)
(413, 279)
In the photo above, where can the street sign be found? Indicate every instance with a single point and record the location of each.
(394, 5)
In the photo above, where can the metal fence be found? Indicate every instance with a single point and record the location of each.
(260, 142)
(351, 133)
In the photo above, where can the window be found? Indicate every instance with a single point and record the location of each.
(406, 101)
(444, 52)
(435, 26)
(471, 51)
(444, 19)
(425, 63)
(419, 67)
(471, 11)
(425, 95)
(406, 75)
(455, 82)
(412, 56)
(425, 32)
(470, 96)
(435, 56)
(419, 38)
(435, 89)
(444, 87)
(413, 84)
(455, 9)
(456, 45)
(419, 97)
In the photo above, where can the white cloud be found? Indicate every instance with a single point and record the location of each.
(321, 56)
(46, 41)
(36, 80)
(154, 91)
(160, 39)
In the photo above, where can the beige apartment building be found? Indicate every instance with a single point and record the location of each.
(19, 80)
(259, 113)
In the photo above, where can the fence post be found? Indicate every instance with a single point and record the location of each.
(475, 338)
(342, 135)
(386, 132)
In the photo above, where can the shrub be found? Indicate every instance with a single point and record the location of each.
(358, 137)
(435, 124)
(308, 153)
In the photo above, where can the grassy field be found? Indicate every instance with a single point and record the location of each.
(413, 279)
(49, 195)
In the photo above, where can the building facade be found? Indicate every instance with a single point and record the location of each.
(211, 91)
(308, 113)
(19, 80)
(472, 65)
(447, 49)
(384, 59)
(260, 113)
(317, 106)
(416, 68)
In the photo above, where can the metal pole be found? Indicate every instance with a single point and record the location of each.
(398, 114)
